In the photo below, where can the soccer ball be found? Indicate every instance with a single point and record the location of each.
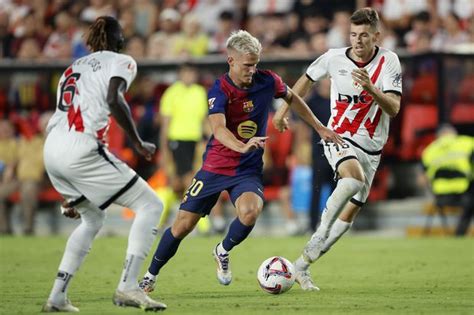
(276, 275)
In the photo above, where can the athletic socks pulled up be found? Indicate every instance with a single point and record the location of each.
(167, 248)
(346, 188)
(237, 233)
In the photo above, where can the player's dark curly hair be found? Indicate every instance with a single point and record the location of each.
(105, 34)
(366, 16)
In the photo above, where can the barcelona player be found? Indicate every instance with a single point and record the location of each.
(239, 104)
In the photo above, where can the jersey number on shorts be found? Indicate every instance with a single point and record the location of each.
(68, 91)
(195, 187)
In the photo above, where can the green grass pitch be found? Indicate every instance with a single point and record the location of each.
(361, 275)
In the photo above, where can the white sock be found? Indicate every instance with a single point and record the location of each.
(131, 269)
(141, 238)
(148, 207)
(77, 247)
(150, 276)
(346, 188)
(58, 294)
(221, 250)
(338, 229)
(301, 264)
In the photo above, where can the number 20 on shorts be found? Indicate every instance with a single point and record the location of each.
(195, 187)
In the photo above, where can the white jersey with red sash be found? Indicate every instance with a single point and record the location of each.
(354, 113)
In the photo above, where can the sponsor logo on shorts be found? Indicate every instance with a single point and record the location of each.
(341, 153)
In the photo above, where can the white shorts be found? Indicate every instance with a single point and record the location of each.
(336, 154)
(80, 168)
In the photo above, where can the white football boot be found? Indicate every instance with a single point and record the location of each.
(50, 307)
(137, 298)
(147, 285)
(224, 275)
(303, 278)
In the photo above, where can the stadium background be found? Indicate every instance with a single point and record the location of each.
(434, 39)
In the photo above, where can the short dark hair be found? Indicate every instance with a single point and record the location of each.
(366, 16)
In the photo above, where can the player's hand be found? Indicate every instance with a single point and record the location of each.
(253, 144)
(362, 77)
(329, 135)
(281, 124)
(68, 211)
(146, 149)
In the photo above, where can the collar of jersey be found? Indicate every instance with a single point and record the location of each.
(227, 77)
(361, 64)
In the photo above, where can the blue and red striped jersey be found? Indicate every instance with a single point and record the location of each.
(246, 114)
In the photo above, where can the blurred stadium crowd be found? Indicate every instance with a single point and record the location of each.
(170, 29)
(36, 31)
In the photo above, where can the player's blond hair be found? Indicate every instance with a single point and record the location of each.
(243, 42)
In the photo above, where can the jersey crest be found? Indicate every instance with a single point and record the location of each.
(248, 106)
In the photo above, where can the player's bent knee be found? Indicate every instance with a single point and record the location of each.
(92, 217)
(182, 230)
(154, 211)
(147, 204)
(141, 197)
(351, 185)
(248, 215)
(94, 225)
(183, 226)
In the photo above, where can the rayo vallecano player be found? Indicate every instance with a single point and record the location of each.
(365, 93)
(87, 175)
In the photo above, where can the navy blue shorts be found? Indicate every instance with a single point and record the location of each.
(206, 187)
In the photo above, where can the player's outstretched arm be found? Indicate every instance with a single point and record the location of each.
(227, 138)
(121, 112)
(302, 109)
(301, 87)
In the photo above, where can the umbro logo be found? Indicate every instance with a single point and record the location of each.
(343, 72)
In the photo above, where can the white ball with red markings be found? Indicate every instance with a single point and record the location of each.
(276, 275)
